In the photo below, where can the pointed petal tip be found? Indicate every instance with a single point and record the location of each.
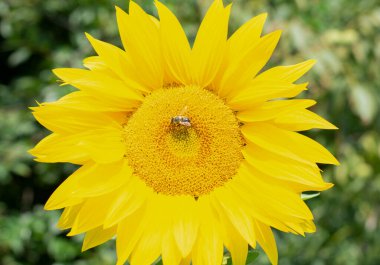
(311, 62)
(84, 248)
(312, 103)
(71, 233)
(306, 65)
(52, 204)
(273, 37)
(324, 186)
(333, 161)
(120, 12)
(48, 206)
(134, 7)
(277, 32)
(264, 15)
(31, 151)
(89, 36)
(54, 70)
(330, 126)
(229, 6)
(58, 71)
(159, 7)
(276, 35)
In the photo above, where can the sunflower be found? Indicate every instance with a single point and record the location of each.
(184, 150)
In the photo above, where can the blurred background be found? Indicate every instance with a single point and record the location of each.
(343, 35)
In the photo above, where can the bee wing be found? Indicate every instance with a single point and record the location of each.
(183, 111)
(185, 123)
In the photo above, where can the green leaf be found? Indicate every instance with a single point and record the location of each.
(308, 196)
(158, 261)
(252, 256)
(227, 260)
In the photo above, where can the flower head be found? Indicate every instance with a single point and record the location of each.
(184, 150)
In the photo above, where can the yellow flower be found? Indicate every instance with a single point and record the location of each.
(184, 150)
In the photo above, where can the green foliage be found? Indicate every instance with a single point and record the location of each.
(343, 35)
(251, 257)
(308, 196)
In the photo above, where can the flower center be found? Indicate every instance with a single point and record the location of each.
(183, 141)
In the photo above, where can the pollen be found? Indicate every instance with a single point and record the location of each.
(174, 159)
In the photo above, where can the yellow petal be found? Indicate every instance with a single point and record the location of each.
(210, 43)
(148, 248)
(129, 231)
(186, 261)
(238, 217)
(296, 175)
(57, 118)
(236, 245)
(100, 84)
(246, 36)
(289, 73)
(266, 240)
(259, 91)
(271, 109)
(57, 148)
(92, 214)
(78, 185)
(68, 216)
(175, 47)
(287, 143)
(238, 193)
(209, 237)
(61, 196)
(240, 73)
(96, 63)
(256, 197)
(238, 45)
(141, 40)
(98, 236)
(103, 145)
(308, 226)
(110, 57)
(118, 62)
(301, 120)
(185, 224)
(290, 207)
(234, 242)
(102, 179)
(129, 198)
(170, 253)
(83, 101)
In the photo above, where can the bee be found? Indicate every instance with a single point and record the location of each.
(181, 119)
